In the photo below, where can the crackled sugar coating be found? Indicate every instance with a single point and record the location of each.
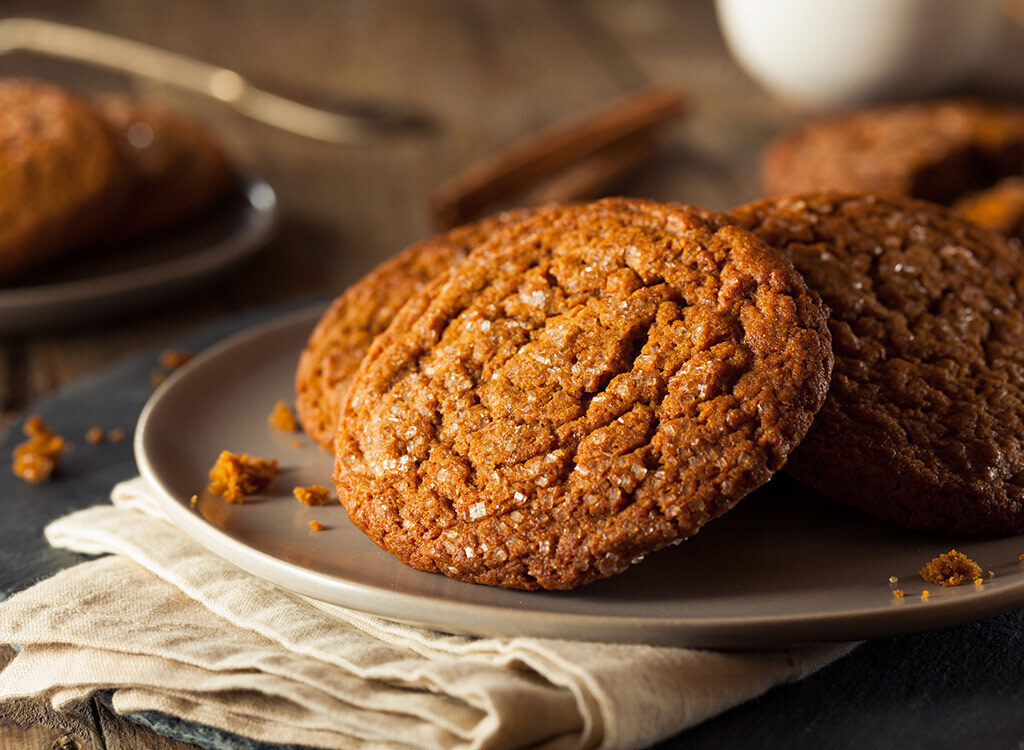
(936, 150)
(61, 177)
(924, 422)
(342, 336)
(589, 386)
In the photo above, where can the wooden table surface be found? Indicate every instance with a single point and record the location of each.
(486, 70)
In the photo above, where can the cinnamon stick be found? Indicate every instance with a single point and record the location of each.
(537, 157)
(592, 177)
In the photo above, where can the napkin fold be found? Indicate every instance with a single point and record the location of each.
(170, 627)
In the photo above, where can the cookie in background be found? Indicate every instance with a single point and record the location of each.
(960, 152)
(79, 176)
(63, 179)
(177, 169)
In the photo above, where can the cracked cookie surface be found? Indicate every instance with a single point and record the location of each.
(590, 385)
(344, 332)
(924, 421)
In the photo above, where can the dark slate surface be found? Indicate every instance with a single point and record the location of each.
(959, 687)
(109, 399)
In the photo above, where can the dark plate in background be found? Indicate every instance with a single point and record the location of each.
(99, 283)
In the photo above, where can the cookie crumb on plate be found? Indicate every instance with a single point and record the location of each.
(283, 418)
(234, 476)
(951, 569)
(315, 495)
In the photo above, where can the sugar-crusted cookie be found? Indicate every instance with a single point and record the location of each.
(343, 334)
(924, 421)
(590, 385)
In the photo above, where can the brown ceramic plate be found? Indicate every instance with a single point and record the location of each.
(100, 285)
(784, 567)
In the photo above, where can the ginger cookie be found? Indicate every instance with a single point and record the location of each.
(937, 151)
(588, 386)
(61, 175)
(177, 169)
(924, 421)
(342, 336)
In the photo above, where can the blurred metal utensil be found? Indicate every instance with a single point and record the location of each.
(360, 124)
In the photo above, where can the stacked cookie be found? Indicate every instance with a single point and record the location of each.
(924, 420)
(540, 399)
(77, 174)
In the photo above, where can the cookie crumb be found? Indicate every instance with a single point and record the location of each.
(172, 359)
(1021, 558)
(951, 569)
(157, 376)
(925, 594)
(116, 435)
(234, 476)
(991, 574)
(978, 581)
(95, 435)
(315, 495)
(193, 500)
(37, 458)
(283, 418)
(316, 526)
(893, 579)
(898, 593)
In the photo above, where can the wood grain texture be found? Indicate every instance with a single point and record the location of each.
(28, 724)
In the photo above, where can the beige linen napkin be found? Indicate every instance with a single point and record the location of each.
(172, 627)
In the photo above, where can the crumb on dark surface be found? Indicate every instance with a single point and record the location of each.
(37, 458)
(172, 359)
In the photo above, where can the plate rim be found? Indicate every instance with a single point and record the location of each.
(263, 218)
(730, 632)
